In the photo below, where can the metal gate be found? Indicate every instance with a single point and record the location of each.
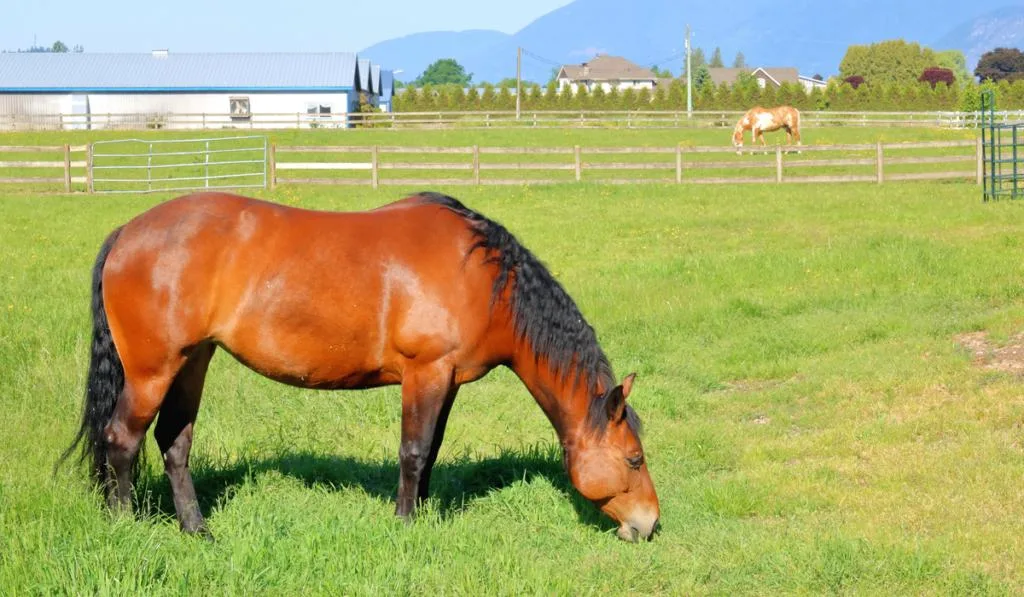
(1002, 153)
(147, 166)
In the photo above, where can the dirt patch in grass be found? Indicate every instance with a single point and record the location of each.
(1005, 358)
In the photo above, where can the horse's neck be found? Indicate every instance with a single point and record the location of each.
(564, 399)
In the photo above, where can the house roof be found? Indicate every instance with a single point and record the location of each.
(604, 68)
(387, 84)
(778, 75)
(375, 78)
(166, 71)
(365, 82)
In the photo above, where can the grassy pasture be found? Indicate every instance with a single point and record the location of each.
(814, 425)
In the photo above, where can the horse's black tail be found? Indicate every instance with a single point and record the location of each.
(105, 380)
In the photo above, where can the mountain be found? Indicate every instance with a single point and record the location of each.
(414, 53)
(808, 34)
(1003, 28)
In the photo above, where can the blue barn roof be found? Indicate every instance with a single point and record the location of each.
(26, 72)
(387, 84)
(375, 78)
(365, 83)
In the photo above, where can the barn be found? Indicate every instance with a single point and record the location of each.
(162, 89)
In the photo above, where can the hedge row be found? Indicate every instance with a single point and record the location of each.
(836, 96)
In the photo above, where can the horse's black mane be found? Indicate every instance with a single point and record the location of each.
(542, 312)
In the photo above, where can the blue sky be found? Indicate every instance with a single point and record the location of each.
(250, 26)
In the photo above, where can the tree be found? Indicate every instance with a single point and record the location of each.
(661, 73)
(936, 74)
(716, 58)
(892, 61)
(697, 60)
(740, 61)
(955, 61)
(444, 71)
(57, 47)
(855, 81)
(701, 77)
(818, 77)
(1000, 64)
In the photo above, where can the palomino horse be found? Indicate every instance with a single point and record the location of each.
(423, 292)
(759, 120)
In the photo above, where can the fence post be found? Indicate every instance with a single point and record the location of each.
(879, 163)
(980, 152)
(778, 163)
(579, 162)
(273, 165)
(679, 163)
(67, 168)
(476, 163)
(90, 187)
(374, 181)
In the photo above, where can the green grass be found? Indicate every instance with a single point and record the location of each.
(812, 426)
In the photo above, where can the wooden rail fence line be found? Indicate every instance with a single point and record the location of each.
(374, 165)
(684, 162)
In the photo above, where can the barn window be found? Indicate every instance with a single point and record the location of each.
(239, 107)
(321, 110)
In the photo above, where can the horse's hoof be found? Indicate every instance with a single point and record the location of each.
(200, 533)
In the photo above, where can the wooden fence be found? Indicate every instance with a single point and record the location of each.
(63, 169)
(66, 166)
(695, 165)
(651, 119)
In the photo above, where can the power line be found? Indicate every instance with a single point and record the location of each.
(541, 58)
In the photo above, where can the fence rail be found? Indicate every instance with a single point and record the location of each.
(476, 119)
(185, 164)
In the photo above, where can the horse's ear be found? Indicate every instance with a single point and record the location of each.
(616, 404)
(627, 385)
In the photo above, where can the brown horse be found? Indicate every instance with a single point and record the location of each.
(423, 292)
(760, 120)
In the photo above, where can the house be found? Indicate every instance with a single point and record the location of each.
(810, 83)
(216, 90)
(765, 76)
(607, 72)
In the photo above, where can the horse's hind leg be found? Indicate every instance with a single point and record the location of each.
(174, 436)
(136, 408)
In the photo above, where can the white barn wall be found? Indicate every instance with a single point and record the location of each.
(44, 109)
(269, 110)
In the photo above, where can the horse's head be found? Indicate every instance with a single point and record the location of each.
(737, 132)
(606, 464)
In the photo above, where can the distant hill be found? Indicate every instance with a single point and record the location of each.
(1000, 28)
(414, 53)
(809, 35)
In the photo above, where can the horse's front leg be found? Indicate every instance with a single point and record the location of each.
(427, 396)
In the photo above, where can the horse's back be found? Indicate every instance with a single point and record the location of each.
(309, 297)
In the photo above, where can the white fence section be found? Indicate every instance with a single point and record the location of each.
(145, 166)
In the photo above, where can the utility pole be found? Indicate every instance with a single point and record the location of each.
(689, 77)
(519, 81)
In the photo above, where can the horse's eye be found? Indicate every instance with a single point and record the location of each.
(635, 462)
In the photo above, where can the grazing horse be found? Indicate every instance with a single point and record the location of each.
(759, 120)
(423, 292)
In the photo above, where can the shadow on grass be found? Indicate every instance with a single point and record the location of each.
(454, 483)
